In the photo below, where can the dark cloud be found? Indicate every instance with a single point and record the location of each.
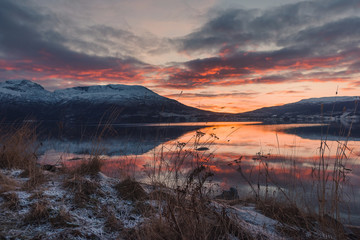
(29, 43)
(305, 41)
(109, 41)
(251, 67)
(253, 46)
(334, 36)
(246, 29)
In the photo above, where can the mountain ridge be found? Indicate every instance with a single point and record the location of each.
(331, 108)
(24, 99)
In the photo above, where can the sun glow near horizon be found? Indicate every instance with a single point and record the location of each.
(217, 55)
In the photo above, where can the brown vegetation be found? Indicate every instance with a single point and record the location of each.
(7, 184)
(18, 148)
(188, 213)
(111, 222)
(39, 213)
(62, 219)
(286, 213)
(82, 189)
(11, 200)
(130, 190)
(89, 167)
(190, 219)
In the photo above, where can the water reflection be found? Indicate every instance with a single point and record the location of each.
(115, 140)
(272, 157)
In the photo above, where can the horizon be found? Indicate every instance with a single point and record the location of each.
(355, 97)
(217, 55)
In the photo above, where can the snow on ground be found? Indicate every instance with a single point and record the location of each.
(255, 222)
(87, 222)
(83, 207)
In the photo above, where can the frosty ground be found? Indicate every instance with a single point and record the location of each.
(69, 205)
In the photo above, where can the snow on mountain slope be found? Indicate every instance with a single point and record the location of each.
(27, 91)
(24, 91)
(326, 106)
(108, 93)
(328, 100)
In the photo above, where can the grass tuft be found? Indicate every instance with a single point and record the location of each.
(39, 213)
(91, 167)
(286, 213)
(36, 177)
(7, 184)
(82, 189)
(18, 148)
(12, 201)
(130, 190)
(63, 219)
(112, 224)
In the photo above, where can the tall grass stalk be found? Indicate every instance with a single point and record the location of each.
(18, 147)
(331, 181)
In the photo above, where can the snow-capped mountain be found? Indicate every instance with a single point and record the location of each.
(325, 100)
(109, 93)
(23, 99)
(330, 107)
(24, 90)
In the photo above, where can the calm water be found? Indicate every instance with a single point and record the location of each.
(272, 156)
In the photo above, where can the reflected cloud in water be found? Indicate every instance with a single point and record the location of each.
(282, 155)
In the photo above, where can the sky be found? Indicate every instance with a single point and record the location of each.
(217, 55)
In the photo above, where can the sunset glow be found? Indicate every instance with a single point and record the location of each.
(222, 56)
(289, 157)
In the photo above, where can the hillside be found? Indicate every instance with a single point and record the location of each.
(331, 108)
(23, 99)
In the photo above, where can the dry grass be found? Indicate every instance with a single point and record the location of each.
(7, 184)
(12, 201)
(292, 222)
(130, 190)
(18, 147)
(286, 213)
(190, 219)
(36, 177)
(62, 220)
(112, 224)
(162, 195)
(91, 167)
(39, 213)
(18, 150)
(88, 167)
(82, 189)
(79, 185)
(187, 213)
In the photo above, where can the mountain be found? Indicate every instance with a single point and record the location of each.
(115, 103)
(23, 99)
(327, 107)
